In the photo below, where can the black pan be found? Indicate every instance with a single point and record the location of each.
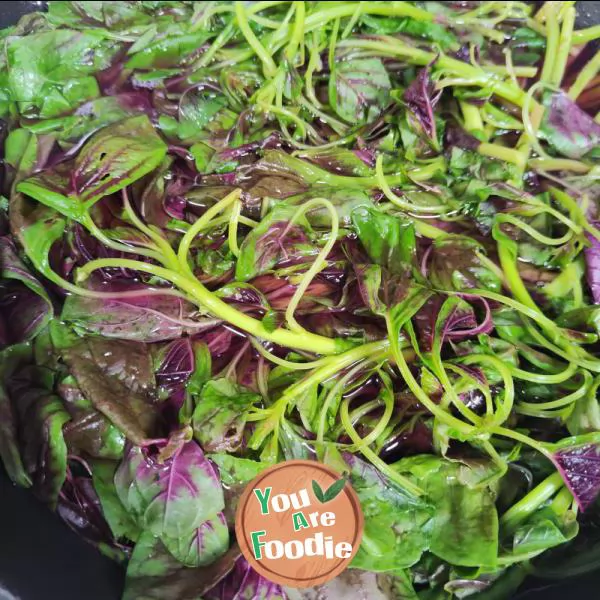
(41, 559)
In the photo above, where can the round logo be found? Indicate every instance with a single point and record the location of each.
(299, 523)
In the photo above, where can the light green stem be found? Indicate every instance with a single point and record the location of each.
(269, 65)
(204, 298)
(525, 507)
(564, 46)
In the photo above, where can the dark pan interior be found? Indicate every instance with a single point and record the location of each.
(41, 559)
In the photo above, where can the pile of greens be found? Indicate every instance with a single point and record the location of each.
(359, 232)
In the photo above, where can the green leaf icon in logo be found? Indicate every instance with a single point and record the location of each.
(318, 491)
(332, 492)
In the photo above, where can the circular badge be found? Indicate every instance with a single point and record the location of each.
(299, 523)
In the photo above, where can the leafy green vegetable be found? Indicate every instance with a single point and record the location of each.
(115, 157)
(359, 89)
(10, 361)
(50, 72)
(270, 231)
(116, 377)
(220, 415)
(388, 240)
(464, 526)
(173, 498)
(119, 519)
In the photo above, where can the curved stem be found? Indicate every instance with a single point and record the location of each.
(318, 264)
(534, 233)
(201, 223)
(288, 364)
(204, 298)
(443, 415)
(169, 258)
(269, 65)
(233, 227)
(524, 439)
(340, 384)
(560, 402)
(89, 224)
(523, 509)
(399, 202)
(508, 398)
(388, 471)
(552, 379)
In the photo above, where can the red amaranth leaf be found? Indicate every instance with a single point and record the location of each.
(579, 464)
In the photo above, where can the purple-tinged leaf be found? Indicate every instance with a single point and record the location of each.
(578, 461)
(80, 508)
(88, 430)
(460, 321)
(175, 365)
(245, 297)
(173, 497)
(100, 112)
(592, 266)
(116, 377)
(154, 574)
(26, 307)
(11, 360)
(203, 545)
(141, 318)
(220, 415)
(359, 89)
(274, 240)
(456, 137)
(567, 128)
(113, 158)
(421, 98)
(342, 161)
(244, 583)
(454, 263)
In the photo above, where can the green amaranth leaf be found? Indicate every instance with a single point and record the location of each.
(172, 497)
(389, 240)
(11, 360)
(197, 109)
(396, 526)
(167, 49)
(37, 233)
(154, 574)
(114, 158)
(422, 30)
(220, 415)
(50, 72)
(203, 545)
(464, 527)
(117, 516)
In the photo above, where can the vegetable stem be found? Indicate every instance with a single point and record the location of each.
(525, 507)
(269, 65)
(205, 299)
(564, 46)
